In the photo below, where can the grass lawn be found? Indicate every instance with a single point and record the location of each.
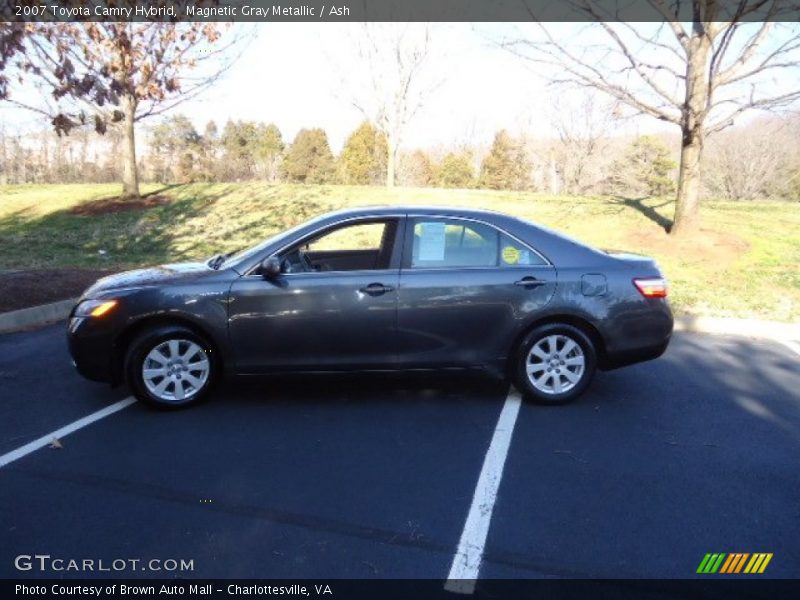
(744, 262)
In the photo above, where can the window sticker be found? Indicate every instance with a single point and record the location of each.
(432, 241)
(524, 257)
(510, 255)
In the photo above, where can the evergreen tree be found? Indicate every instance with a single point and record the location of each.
(455, 171)
(252, 150)
(309, 158)
(363, 159)
(646, 169)
(506, 167)
(239, 142)
(210, 156)
(269, 150)
(178, 148)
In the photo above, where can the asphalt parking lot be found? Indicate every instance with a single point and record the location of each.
(373, 476)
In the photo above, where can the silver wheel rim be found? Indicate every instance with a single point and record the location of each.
(175, 370)
(555, 364)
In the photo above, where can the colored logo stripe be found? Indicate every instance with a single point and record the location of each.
(727, 564)
(734, 562)
(758, 563)
(710, 563)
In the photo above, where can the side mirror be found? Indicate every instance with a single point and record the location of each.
(271, 267)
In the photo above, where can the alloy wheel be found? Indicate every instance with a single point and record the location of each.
(555, 364)
(175, 370)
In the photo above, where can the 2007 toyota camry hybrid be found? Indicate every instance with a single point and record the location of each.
(387, 288)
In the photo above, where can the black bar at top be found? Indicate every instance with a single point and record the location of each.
(391, 10)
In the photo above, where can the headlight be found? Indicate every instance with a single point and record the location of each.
(95, 308)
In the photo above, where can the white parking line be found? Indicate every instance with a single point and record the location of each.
(467, 561)
(64, 431)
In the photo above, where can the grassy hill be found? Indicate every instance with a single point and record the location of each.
(744, 262)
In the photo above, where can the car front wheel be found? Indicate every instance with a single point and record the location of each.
(170, 367)
(555, 364)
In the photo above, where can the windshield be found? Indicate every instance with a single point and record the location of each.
(236, 261)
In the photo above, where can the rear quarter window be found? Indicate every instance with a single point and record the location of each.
(513, 253)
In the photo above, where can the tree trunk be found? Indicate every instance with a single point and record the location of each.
(130, 175)
(554, 182)
(391, 155)
(3, 159)
(694, 111)
(688, 198)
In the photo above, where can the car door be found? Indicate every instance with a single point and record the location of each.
(466, 289)
(334, 306)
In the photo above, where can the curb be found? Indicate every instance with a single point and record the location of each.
(35, 315)
(774, 330)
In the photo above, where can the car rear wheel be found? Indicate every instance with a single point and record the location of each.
(170, 367)
(555, 364)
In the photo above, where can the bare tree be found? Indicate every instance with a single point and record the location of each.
(583, 124)
(115, 72)
(698, 75)
(393, 58)
(747, 163)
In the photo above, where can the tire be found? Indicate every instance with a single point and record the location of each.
(573, 370)
(186, 359)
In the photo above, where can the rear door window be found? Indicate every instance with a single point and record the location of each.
(444, 243)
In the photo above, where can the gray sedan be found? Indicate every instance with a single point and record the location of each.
(376, 289)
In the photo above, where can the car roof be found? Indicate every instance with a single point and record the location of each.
(386, 209)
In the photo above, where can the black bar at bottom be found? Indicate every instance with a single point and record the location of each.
(712, 587)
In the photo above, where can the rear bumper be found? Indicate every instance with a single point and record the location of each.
(637, 355)
(637, 335)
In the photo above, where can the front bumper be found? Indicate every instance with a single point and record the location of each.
(90, 343)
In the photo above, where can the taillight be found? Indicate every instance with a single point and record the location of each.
(651, 287)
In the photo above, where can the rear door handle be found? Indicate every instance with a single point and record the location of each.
(530, 282)
(376, 289)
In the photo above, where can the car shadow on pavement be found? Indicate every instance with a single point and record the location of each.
(358, 387)
(758, 377)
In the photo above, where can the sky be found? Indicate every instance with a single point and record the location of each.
(304, 75)
(300, 75)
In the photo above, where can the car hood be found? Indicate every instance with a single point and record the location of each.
(179, 272)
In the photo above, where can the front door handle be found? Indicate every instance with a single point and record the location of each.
(530, 282)
(376, 289)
